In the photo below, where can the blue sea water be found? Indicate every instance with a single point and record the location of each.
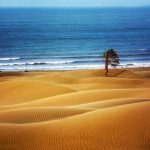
(72, 38)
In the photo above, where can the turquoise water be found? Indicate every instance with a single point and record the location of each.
(63, 39)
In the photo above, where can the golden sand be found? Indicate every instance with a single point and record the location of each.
(75, 110)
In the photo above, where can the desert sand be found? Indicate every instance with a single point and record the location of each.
(75, 110)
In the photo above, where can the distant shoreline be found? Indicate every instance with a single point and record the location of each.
(90, 7)
(133, 69)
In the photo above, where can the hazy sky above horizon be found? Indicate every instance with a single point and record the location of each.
(73, 3)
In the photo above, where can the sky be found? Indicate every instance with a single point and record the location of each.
(73, 3)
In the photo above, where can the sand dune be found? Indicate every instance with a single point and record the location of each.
(38, 114)
(18, 91)
(75, 110)
(124, 127)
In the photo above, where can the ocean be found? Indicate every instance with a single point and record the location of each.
(72, 38)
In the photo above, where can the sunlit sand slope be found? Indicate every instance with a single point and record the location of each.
(75, 110)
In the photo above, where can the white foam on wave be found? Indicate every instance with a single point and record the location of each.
(10, 58)
(37, 63)
(58, 67)
(68, 66)
(136, 64)
(142, 49)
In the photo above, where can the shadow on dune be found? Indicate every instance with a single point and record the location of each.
(119, 73)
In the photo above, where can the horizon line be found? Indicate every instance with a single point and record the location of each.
(68, 7)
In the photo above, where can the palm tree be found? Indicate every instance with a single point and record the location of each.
(110, 58)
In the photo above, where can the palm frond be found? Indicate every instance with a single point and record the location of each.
(112, 57)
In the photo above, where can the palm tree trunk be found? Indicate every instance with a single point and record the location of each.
(106, 67)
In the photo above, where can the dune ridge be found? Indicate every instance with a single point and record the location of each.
(75, 110)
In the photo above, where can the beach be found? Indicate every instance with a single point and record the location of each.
(75, 110)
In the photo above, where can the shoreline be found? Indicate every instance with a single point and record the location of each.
(43, 66)
(132, 69)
